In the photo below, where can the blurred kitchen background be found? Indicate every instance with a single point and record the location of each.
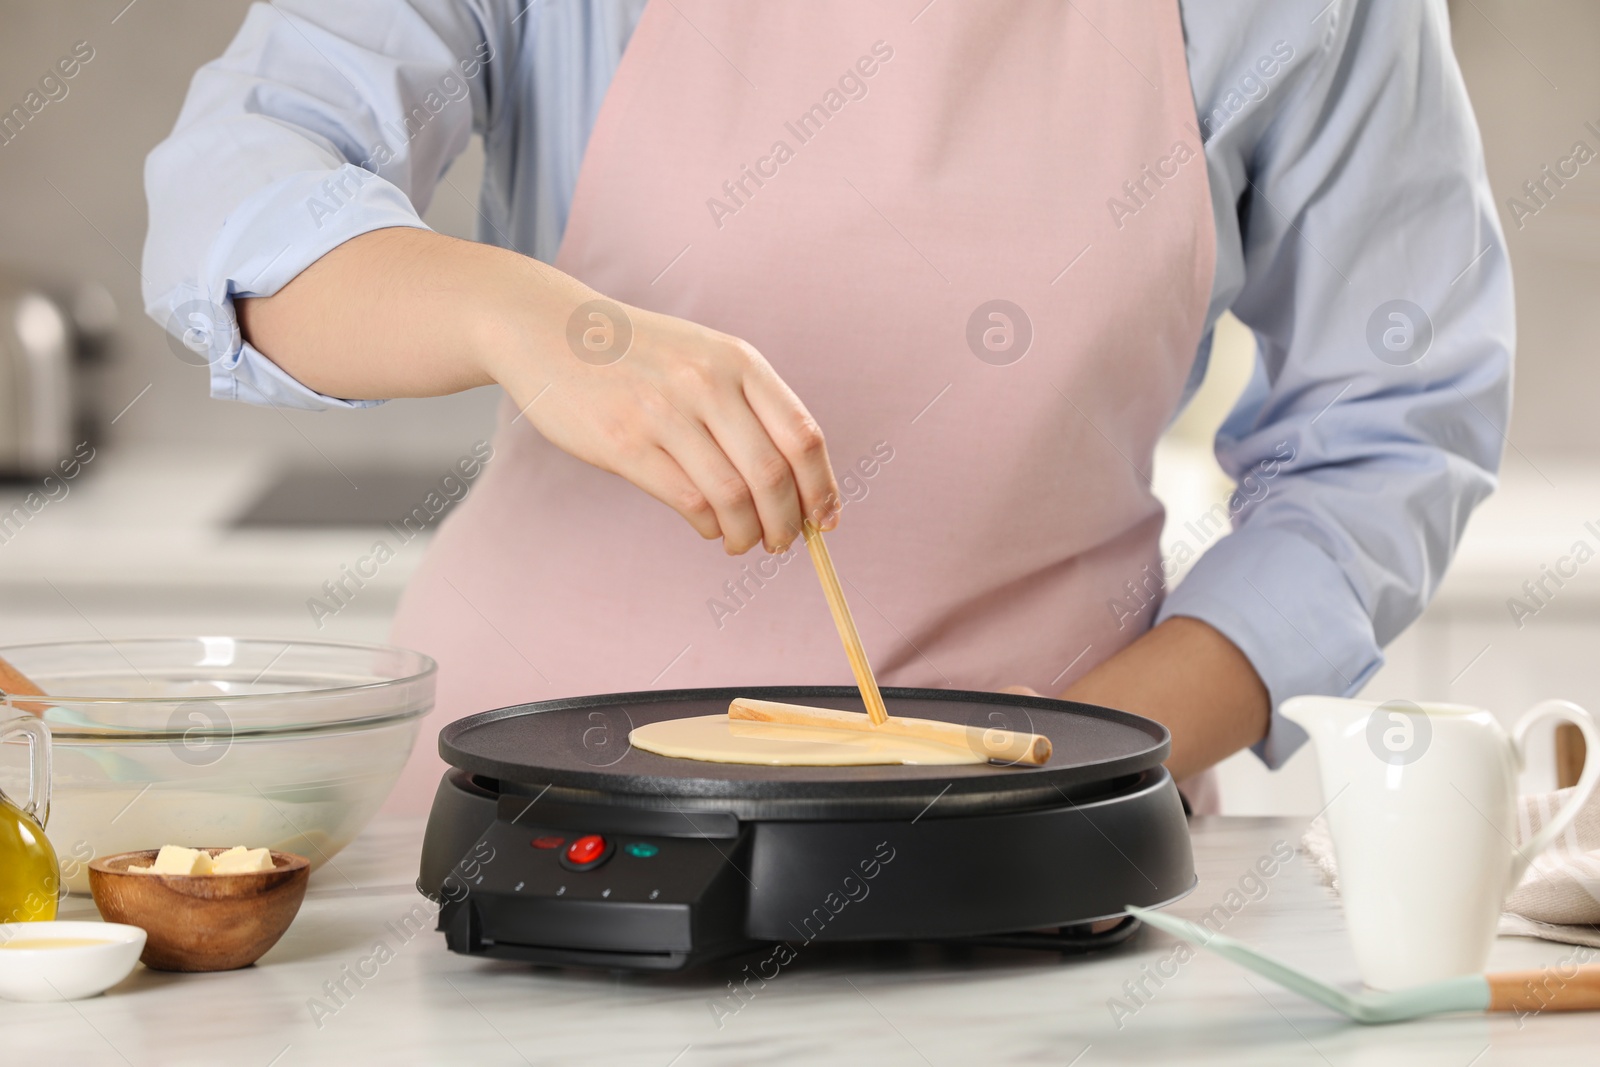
(197, 516)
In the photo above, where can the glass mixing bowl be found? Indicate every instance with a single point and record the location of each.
(204, 741)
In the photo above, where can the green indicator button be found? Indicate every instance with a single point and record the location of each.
(642, 849)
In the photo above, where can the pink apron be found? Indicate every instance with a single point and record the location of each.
(976, 240)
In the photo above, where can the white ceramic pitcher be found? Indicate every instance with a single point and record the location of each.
(1422, 805)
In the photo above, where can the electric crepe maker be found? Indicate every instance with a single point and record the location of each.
(553, 841)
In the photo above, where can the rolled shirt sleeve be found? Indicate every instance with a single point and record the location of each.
(321, 122)
(1376, 281)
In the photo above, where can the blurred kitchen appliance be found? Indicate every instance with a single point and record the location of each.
(41, 338)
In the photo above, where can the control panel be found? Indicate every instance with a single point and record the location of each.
(588, 863)
(572, 886)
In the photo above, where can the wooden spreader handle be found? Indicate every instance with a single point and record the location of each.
(833, 592)
(1005, 746)
(1574, 988)
(14, 683)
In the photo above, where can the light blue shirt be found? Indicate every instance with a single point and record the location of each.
(1356, 236)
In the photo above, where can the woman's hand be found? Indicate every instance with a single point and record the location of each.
(696, 418)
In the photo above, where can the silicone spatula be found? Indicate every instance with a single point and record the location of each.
(1572, 988)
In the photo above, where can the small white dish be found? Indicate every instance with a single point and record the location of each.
(53, 971)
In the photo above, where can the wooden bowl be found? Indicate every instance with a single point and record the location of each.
(200, 922)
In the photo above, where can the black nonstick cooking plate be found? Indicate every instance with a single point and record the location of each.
(578, 749)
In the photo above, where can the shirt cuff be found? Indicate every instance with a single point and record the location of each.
(266, 241)
(1290, 609)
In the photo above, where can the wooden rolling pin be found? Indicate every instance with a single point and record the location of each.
(14, 683)
(1005, 746)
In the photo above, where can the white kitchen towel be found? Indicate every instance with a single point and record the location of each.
(1558, 899)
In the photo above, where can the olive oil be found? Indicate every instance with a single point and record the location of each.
(29, 875)
(24, 944)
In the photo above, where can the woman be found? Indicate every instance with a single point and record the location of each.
(982, 246)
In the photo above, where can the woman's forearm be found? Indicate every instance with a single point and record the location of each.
(1195, 682)
(696, 418)
(402, 312)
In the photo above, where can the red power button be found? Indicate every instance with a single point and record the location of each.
(587, 851)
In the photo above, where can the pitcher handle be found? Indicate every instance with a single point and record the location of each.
(37, 807)
(1557, 709)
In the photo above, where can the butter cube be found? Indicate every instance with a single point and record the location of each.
(241, 860)
(175, 859)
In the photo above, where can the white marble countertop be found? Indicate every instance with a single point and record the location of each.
(886, 1005)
